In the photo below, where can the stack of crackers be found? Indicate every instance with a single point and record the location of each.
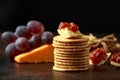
(70, 54)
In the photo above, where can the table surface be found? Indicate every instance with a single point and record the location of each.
(43, 71)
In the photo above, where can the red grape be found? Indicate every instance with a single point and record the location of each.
(11, 51)
(47, 37)
(35, 41)
(35, 27)
(22, 31)
(8, 37)
(22, 44)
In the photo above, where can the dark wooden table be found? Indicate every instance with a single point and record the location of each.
(43, 71)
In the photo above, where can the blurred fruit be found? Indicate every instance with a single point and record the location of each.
(35, 27)
(25, 38)
(47, 37)
(8, 37)
(22, 44)
(11, 51)
(22, 31)
(35, 41)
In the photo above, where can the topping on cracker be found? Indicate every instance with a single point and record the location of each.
(98, 56)
(115, 59)
(69, 30)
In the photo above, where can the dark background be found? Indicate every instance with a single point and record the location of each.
(94, 16)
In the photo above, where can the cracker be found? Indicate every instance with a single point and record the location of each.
(60, 39)
(70, 43)
(70, 68)
(71, 58)
(70, 47)
(62, 69)
(71, 63)
(71, 55)
(73, 49)
(71, 52)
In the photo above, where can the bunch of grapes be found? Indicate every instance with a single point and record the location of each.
(25, 38)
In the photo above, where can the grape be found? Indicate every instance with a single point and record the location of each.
(22, 44)
(35, 27)
(47, 37)
(8, 37)
(22, 31)
(11, 51)
(35, 41)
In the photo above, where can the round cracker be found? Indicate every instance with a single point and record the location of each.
(63, 69)
(73, 49)
(72, 55)
(70, 68)
(71, 58)
(71, 63)
(70, 43)
(60, 39)
(71, 52)
(70, 47)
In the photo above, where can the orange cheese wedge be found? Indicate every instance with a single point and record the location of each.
(43, 53)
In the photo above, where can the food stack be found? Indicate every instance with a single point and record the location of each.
(70, 54)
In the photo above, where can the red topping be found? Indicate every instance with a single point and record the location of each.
(98, 55)
(115, 57)
(63, 25)
(71, 26)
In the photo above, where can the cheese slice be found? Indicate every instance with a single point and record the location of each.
(43, 53)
